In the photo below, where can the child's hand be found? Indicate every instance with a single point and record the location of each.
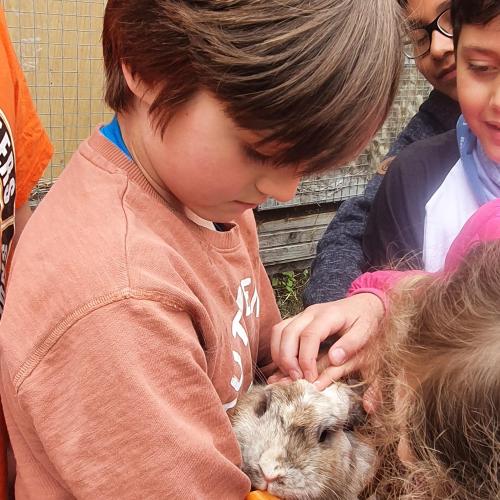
(295, 341)
(279, 377)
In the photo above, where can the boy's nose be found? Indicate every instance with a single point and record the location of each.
(280, 185)
(441, 46)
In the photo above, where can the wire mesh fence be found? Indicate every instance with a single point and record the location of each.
(58, 44)
(351, 180)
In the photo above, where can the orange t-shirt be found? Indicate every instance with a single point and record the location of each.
(25, 151)
(33, 149)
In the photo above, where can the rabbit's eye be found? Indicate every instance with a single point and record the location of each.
(262, 405)
(326, 432)
(348, 426)
(323, 435)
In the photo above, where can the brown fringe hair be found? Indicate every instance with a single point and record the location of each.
(441, 354)
(478, 12)
(318, 75)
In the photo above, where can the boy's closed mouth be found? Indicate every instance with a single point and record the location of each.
(448, 73)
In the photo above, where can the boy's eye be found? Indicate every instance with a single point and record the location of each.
(255, 156)
(480, 68)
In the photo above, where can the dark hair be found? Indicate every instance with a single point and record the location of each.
(318, 75)
(403, 3)
(479, 12)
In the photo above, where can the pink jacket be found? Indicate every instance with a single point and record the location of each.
(483, 226)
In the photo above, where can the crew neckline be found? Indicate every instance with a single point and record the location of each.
(222, 240)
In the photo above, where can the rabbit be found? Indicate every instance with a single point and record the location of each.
(298, 443)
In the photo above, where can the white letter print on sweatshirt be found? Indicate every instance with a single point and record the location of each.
(246, 306)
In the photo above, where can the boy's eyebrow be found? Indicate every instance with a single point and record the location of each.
(419, 23)
(481, 50)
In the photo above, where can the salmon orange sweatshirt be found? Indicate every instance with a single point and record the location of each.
(128, 334)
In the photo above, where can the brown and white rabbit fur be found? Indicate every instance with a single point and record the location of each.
(297, 442)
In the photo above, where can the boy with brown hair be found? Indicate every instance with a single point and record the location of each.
(116, 383)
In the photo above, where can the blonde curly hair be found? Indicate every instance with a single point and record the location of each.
(438, 368)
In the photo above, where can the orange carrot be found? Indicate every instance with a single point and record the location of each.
(260, 495)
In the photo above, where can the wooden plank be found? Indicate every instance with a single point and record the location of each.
(297, 222)
(286, 238)
(292, 253)
(325, 195)
(292, 240)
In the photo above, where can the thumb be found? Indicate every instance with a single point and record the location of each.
(351, 342)
(333, 373)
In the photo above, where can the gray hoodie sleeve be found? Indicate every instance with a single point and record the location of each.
(340, 258)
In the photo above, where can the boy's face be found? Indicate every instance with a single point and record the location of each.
(438, 65)
(211, 165)
(478, 68)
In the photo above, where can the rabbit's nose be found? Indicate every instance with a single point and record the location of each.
(271, 477)
(269, 466)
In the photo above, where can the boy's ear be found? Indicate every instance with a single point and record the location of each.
(141, 90)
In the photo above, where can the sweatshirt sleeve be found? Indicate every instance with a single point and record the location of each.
(379, 283)
(339, 255)
(394, 229)
(125, 409)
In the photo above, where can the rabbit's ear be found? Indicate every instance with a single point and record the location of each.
(262, 404)
(357, 385)
(357, 415)
(340, 400)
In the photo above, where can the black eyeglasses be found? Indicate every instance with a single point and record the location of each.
(417, 42)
